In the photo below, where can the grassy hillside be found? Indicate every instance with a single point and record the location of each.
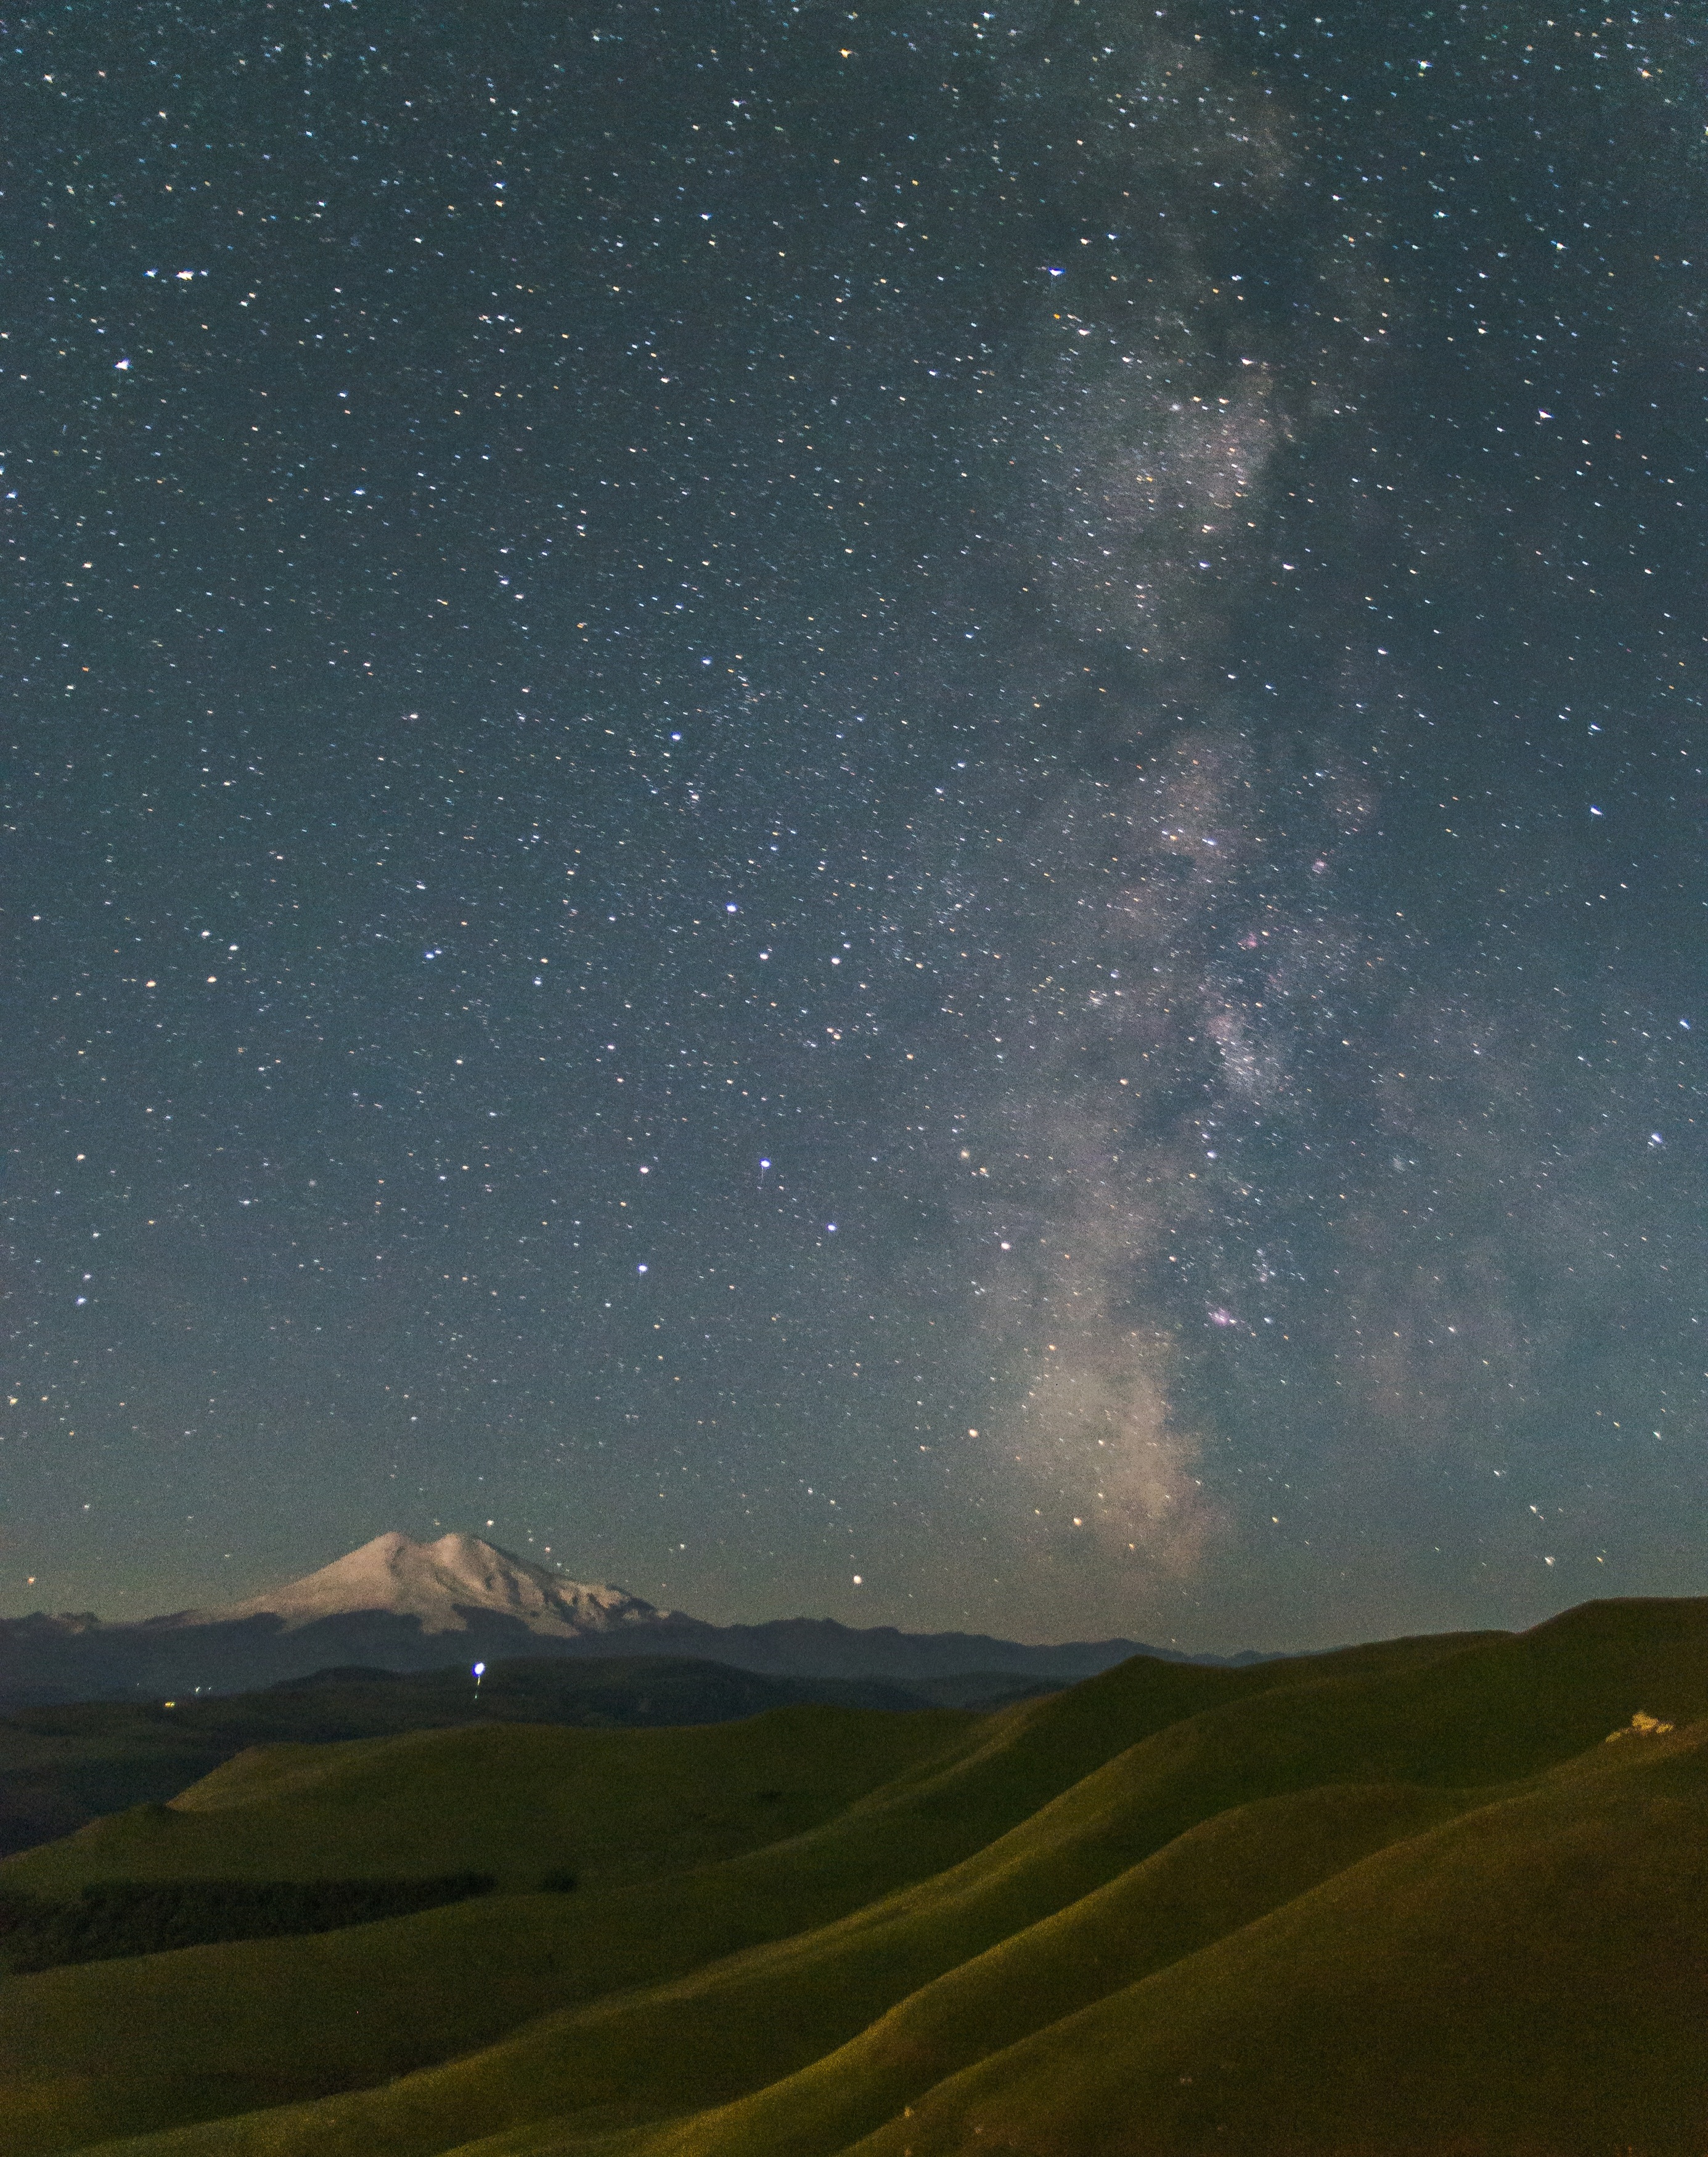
(61, 1767)
(511, 1799)
(1297, 1885)
(118, 2045)
(1532, 1977)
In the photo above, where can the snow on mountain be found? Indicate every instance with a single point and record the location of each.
(439, 1583)
(398, 1604)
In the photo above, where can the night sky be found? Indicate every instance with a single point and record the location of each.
(893, 812)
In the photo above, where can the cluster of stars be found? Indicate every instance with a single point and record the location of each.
(955, 766)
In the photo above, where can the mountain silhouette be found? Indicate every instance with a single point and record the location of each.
(398, 1604)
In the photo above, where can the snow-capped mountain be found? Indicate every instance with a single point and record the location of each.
(401, 1605)
(442, 1585)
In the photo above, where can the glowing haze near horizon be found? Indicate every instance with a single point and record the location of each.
(888, 811)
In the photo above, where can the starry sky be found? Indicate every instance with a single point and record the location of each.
(891, 811)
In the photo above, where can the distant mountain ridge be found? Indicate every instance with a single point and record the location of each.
(398, 1604)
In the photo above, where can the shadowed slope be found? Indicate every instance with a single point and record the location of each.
(1024, 1824)
(513, 1799)
(118, 2045)
(1205, 1884)
(236, 2026)
(1530, 1978)
(61, 1767)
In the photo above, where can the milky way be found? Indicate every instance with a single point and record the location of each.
(888, 811)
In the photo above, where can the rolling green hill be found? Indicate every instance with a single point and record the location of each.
(63, 1766)
(515, 1799)
(1399, 1898)
(1532, 1977)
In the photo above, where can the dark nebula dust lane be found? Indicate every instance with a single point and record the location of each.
(888, 811)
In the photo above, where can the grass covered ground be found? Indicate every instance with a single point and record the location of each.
(511, 1799)
(63, 1766)
(1399, 1898)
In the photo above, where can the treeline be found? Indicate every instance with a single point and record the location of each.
(114, 1918)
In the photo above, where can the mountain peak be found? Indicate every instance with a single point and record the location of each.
(439, 1584)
